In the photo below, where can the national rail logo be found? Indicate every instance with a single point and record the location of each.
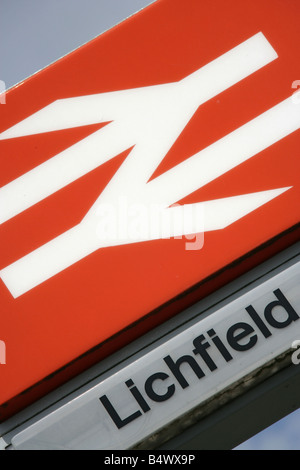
(150, 120)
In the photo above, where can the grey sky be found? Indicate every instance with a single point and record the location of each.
(34, 33)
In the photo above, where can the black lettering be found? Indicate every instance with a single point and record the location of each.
(281, 302)
(175, 368)
(233, 338)
(138, 396)
(155, 396)
(120, 423)
(258, 321)
(200, 348)
(220, 345)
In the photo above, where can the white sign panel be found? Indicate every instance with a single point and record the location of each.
(179, 375)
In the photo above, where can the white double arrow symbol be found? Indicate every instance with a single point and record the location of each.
(149, 119)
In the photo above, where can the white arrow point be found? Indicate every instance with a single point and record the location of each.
(221, 213)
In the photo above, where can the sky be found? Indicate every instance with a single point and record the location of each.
(33, 34)
(283, 435)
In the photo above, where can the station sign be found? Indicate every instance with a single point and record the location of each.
(140, 173)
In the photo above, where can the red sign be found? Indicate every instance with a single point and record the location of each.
(140, 173)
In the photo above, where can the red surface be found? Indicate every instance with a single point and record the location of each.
(91, 302)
